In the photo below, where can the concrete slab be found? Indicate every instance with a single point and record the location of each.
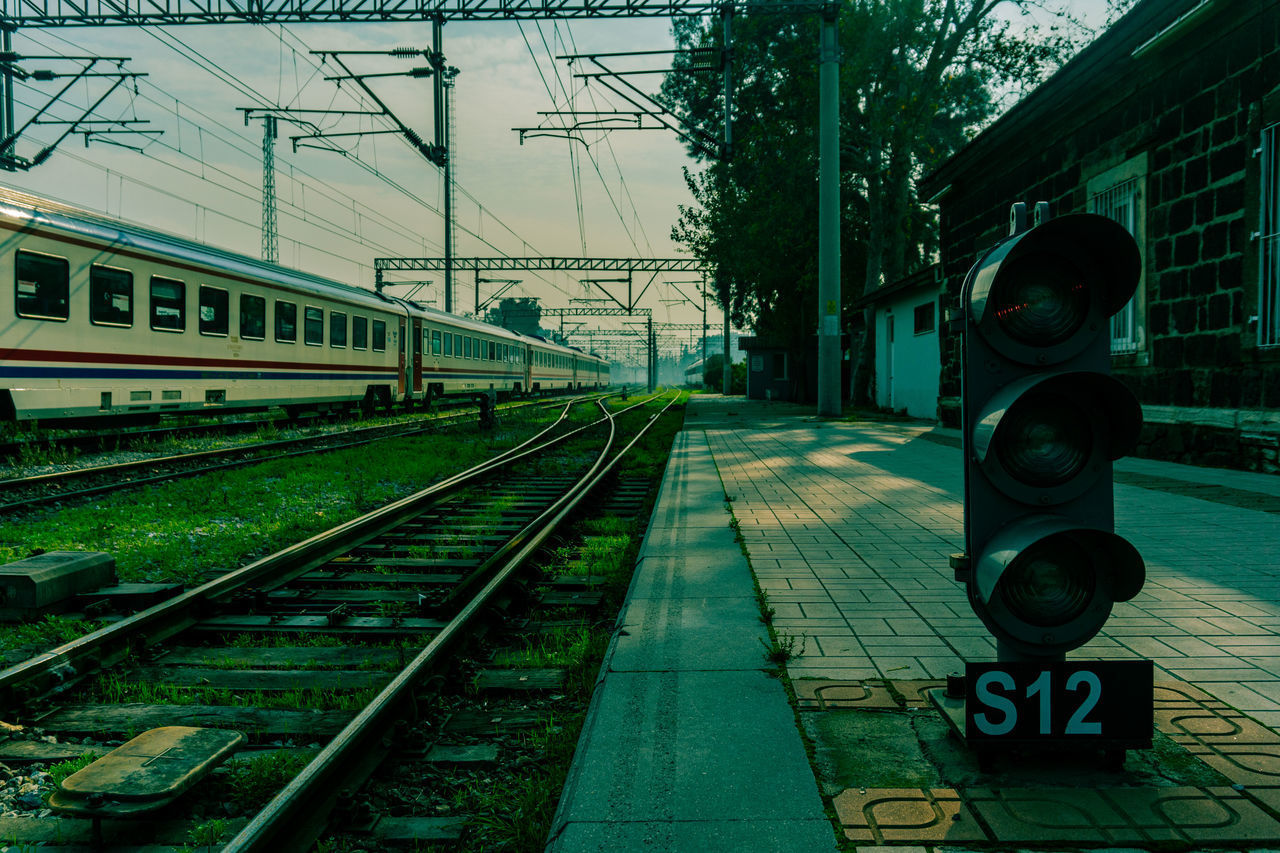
(689, 744)
(679, 634)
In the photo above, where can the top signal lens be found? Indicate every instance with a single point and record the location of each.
(1040, 301)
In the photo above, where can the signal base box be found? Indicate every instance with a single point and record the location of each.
(48, 582)
(1102, 705)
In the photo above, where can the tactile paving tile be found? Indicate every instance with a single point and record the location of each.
(1121, 816)
(820, 694)
(882, 815)
(1112, 816)
(1238, 747)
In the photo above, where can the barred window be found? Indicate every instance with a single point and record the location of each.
(1269, 240)
(1120, 203)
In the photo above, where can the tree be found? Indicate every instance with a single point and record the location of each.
(919, 77)
(519, 314)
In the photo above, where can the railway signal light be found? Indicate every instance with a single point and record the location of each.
(1043, 420)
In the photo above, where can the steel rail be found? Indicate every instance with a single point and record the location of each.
(282, 825)
(64, 664)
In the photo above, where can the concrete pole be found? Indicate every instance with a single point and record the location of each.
(829, 217)
(726, 14)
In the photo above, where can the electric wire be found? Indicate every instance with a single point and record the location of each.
(248, 148)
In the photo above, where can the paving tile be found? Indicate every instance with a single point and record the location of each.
(883, 815)
(823, 695)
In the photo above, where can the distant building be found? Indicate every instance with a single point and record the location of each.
(907, 359)
(1170, 124)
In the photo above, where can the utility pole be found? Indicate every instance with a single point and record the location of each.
(726, 289)
(6, 116)
(270, 234)
(829, 217)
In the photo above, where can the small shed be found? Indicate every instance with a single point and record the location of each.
(770, 369)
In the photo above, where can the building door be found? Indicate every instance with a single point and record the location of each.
(404, 342)
(417, 355)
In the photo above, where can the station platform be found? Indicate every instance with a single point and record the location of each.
(695, 740)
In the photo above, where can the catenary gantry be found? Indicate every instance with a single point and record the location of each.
(96, 13)
(542, 263)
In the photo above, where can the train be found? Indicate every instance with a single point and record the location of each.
(101, 320)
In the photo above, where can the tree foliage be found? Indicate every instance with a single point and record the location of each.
(918, 78)
(519, 314)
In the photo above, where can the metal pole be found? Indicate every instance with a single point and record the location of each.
(6, 118)
(651, 347)
(704, 330)
(270, 234)
(829, 218)
(441, 90)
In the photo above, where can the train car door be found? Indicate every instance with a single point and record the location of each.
(417, 355)
(404, 342)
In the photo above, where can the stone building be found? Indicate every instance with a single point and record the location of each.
(1169, 123)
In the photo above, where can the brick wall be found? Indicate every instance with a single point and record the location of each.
(1193, 112)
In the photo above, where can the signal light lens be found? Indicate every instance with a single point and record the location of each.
(1051, 583)
(1045, 440)
(1040, 300)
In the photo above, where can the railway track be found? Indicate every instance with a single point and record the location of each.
(401, 588)
(28, 492)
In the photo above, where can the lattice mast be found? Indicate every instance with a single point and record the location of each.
(270, 235)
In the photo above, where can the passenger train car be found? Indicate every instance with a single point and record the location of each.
(103, 320)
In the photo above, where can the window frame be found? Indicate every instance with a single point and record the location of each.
(94, 281)
(360, 341)
(276, 321)
(44, 257)
(338, 321)
(225, 330)
(378, 330)
(919, 311)
(306, 325)
(1120, 194)
(1268, 237)
(248, 297)
(182, 300)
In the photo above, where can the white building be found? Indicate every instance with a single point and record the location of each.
(907, 358)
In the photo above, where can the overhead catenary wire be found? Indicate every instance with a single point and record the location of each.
(238, 142)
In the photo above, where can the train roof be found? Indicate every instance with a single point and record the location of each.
(15, 204)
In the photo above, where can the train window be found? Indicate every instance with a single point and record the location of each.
(457, 346)
(359, 333)
(168, 304)
(110, 296)
(466, 346)
(337, 329)
(435, 341)
(506, 353)
(448, 344)
(379, 336)
(493, 355)
(253, 317)
(214, 311)
(43, 286)
(313, 326)
(286, 322)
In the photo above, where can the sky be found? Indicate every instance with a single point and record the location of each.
(610, 195)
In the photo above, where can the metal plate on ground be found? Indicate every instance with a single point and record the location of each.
(147, 771)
